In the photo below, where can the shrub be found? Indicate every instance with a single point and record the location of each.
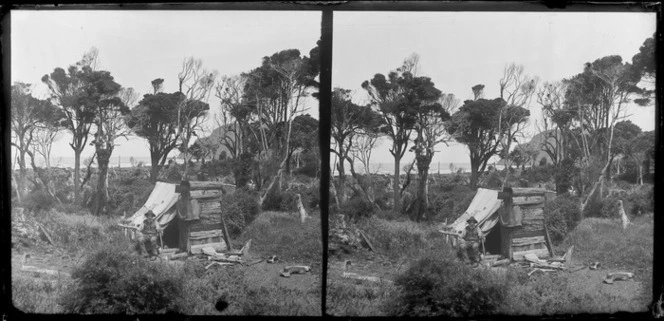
(538, 174)
(606, 207)
(493, 180)
(640, 201)
(561, 216)
(565, 175)
(240, 209)
(277, 200)
(436, 286)
(38, 201)
(357, 208)
(114, 281)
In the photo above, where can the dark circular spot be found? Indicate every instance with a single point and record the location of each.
(221, 305)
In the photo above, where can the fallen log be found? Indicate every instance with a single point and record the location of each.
(169, 251)
(224, 259)
(350, 275)
(216, 263)
(366, 240)
(500, 262)
(178, 256)
(45, 233)
(34, 269)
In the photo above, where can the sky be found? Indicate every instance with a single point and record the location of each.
(461, 49)
(139, 46)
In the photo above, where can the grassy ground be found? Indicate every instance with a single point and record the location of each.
(399, 244)
(254, 290)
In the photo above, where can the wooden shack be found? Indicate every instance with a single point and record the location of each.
(200, 219)
(522, 228)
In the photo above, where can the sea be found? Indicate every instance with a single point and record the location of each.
(116, 161)
(435, 167)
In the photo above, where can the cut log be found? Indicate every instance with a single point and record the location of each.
(521, 255)
(205, 194)
(207, 233)
(297, 269)
(217, 263)
(501, 262)
(531, 199)
(528, 240)
(168, 251)
(35, 269)
(205, 185)
(178, 256)
(198, 248)
(350, 275)
(222, 258)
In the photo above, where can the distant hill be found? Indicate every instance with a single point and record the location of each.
(214, 139)
(535, 144)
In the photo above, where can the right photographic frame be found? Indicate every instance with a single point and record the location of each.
(492, 163)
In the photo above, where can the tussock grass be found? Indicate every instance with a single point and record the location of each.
(38, 294)
(604, 240)
(349, 297)
(81, 231)
(403, 240)
(282, 234)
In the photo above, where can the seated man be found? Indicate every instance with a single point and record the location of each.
(469, 242)
(148, 235)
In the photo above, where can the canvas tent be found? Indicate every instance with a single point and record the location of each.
(189, 212)
(162, 202)
(512, 221)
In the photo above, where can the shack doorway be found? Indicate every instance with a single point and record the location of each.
(492, 244)
(171, 236)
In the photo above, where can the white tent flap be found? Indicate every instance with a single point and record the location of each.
(483, 207)
(161, 201)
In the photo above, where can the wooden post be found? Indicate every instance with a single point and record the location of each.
(227, 239)
(548, 241)
(300, 207)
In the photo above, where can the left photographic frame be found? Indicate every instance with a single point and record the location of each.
(165, 161)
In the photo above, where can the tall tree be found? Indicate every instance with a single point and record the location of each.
(155, 118)
(67, 90)
(432, 111)
(274, 92)
(195, 84)
(112, 103)
(348, 120)
(480, 125)
(386, 94)
(517, 89)
(640, 149)
(29, 116)
(599, 98)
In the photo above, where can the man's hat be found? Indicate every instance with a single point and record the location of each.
(472, 220)
(149, 213)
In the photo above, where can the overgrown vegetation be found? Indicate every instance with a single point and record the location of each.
(441, 286)
(561, 216)
(240, 209)
(114, 280)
